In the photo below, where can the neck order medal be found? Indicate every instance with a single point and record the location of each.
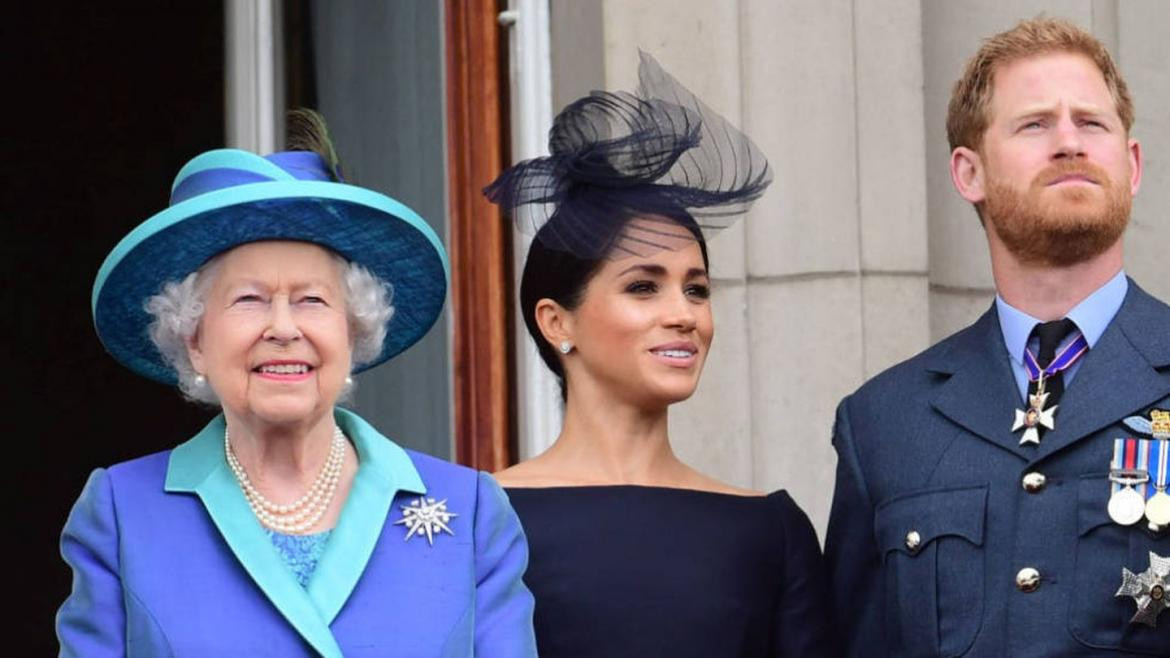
(1035, 416)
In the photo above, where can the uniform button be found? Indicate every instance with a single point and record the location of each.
(1028, 580)
(1034, 482)
(913, 541)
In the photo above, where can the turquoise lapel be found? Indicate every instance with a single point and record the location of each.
(198, 466)
(385, 469)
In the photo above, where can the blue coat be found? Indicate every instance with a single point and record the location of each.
(926, 447)
(168, 560)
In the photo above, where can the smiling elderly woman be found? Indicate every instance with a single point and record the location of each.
(180, 306)
(287, 526)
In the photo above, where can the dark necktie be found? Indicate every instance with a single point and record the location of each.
(1050, 335)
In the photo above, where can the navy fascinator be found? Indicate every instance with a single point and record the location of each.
(660, 157)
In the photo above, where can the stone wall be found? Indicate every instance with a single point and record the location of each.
(861, 254)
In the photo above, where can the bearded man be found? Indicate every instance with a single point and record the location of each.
(1004, 492)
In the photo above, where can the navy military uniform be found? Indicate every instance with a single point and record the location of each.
(949, 538)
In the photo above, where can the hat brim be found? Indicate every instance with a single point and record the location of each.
(363, 226)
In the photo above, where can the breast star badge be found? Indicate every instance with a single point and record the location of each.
(426, 517)
(1149, 590)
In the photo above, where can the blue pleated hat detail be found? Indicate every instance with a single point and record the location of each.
(227, 197)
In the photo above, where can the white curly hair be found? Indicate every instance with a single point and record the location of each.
(178, 308)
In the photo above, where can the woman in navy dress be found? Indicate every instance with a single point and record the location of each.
(633, 552)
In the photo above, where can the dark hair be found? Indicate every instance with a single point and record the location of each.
(562, 276)
(660, 156)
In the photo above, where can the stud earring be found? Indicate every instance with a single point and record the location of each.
(566, 347)
(200, 381)
(348, 381)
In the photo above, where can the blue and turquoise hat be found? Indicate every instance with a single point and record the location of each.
(227, 197)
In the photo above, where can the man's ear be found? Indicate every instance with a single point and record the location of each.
(554, 321)
(968, 174)
(1135, 166)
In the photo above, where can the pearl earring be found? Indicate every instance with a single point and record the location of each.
(566, 347)
(348, 381)
(200, 381)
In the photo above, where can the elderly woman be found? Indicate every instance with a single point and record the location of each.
(287, 526)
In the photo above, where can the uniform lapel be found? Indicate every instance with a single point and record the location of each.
(1122, 374)
(981, 393)
(199, 466)
(1119, 375)
(385, 469)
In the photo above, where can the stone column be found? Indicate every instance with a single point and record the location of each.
(861, 254)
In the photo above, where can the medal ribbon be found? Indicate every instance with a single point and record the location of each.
(1068, 356)
(1143, 464)
(1118, 462)
(1159, 455)
(1126, 455)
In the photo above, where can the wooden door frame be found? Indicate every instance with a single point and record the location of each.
(479, 239)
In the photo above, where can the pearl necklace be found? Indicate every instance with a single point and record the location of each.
(299, 516)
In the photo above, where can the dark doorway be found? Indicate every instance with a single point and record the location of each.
(105, 103)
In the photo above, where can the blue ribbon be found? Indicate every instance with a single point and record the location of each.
(302, 165)
(1066, 358)
(1158, 465)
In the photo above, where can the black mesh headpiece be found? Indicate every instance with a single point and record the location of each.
(660, 155)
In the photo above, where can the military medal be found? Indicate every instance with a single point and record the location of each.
(1158, 504)
(1150, 590)
(1158, 510)
(1126, 504)
(1035, 417)
(1155, 463)
(426, 517)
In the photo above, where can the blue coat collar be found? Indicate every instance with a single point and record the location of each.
(198, 466)
(1118, 377)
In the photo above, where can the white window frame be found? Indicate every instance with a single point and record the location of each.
(254, 71)
(538, 397)
(254, 99)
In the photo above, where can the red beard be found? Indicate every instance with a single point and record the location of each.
(1059, 227)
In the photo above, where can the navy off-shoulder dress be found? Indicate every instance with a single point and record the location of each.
(650, 571)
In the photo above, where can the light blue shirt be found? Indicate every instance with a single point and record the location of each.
(1092, 316)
